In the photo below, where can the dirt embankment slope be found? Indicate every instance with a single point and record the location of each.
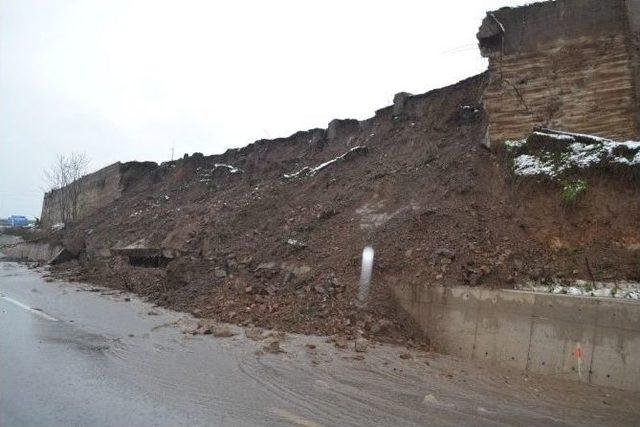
(270, 234)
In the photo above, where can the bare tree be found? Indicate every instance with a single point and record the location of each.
(63, 182)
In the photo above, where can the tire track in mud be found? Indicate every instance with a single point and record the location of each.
(343, 395)
(170, 373)
(277, 381)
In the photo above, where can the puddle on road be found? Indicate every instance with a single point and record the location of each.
(72, 336)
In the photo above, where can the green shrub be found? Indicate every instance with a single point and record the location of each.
(572, 190)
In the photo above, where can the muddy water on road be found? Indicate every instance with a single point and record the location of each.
(132, 362)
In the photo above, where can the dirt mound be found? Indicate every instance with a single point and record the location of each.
(271, 234)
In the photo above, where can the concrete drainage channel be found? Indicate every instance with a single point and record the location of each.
(593, 340)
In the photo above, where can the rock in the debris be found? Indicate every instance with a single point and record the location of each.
(445, 253)
(266, 266)
(380, 326)
(429, 398)
(220, 273)
(255, 334)
(273, 347)
(296, 274)
(222, 331)
(354, 357)
(361, 345)
(339, 341)
(399, 102)
(405, 355)
(278, 335)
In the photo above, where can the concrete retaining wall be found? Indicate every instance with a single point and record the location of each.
(565, 64)
(594, 340)
(97, 190)
(39, 252)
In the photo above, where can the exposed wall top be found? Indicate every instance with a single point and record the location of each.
(526, 28)
(566, 64)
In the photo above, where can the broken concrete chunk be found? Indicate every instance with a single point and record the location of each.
(220, 273)
(255, 334)
(380, 326)
(361, 345)
(278, 335)
(63, 255)
(141, 253)
(222, 331)
(445, 253)
(340, 128)
(399, 102)
(266, 266)
(339, 341)
(468, 114)
(296, 274)
(273, 347)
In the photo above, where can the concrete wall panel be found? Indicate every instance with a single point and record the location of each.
(593, 340)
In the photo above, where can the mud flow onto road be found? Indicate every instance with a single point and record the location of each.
(158, 366)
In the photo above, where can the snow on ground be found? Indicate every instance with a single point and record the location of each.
(621, 290)
(232, 169)
(515, 143)
(581, 152)
(310, 171)
(528, 165)
(205, 175)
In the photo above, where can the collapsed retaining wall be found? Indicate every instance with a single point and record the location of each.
(37, 252)
(97, 190)
(567, 64)
(593, 340)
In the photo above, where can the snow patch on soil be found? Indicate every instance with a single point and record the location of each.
(310, 171)
(619, 290)
(528, 165)
(559, 152)
(232, 169)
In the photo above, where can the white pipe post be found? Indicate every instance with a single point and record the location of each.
(365, 276)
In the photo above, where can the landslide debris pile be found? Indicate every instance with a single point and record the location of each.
(271, 234)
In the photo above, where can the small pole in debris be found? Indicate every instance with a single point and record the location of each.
(365, 276)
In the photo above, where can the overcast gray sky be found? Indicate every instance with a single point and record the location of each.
(125, 79)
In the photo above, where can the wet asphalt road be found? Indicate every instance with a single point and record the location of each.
(74, 354)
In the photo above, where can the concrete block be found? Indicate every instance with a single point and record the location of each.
(504, 328)
(619, 314)
(456, 316)
(554, 349)
(566, 308)
(562, 335)
(592, 340)
(399, 102)
(341, 128)
(615, 358)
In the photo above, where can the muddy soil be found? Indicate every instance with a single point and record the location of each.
(249, 245)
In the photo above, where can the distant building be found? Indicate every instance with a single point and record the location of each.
(16, 221)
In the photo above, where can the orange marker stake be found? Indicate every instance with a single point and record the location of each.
(579, 353)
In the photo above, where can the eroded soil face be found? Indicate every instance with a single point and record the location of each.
(254, 246)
